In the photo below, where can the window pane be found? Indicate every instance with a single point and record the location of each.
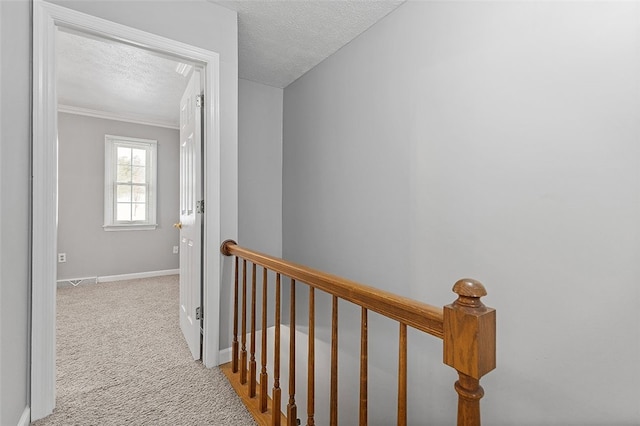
(131, 166)
(139, 211)
(124, 173)
(123, 212)
(139, 194)
(138, 174)
(123, 194)
(139, 157)
(124, 155)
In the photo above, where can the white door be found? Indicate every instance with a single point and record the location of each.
(190, 224)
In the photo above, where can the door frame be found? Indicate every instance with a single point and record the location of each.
(46, 18)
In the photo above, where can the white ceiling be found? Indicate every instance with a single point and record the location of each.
(102, 77)
(278, 41)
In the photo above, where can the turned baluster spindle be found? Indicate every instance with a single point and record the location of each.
(234, 346)
(311, 368)
(252, 361)
(364, 362)
(292, 409)
(276, 391)
(469, 346)
(402, 377)
(469, 394)
(243, 350)
(333, 400)
(263, 352)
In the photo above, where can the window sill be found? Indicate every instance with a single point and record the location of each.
(135, 227)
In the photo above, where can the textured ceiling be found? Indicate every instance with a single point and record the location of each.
(117, 79)
(279, 41)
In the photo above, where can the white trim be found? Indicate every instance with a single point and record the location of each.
(136, 275)
(127, 118)
(44, 217)
(74, 282)
(224, 356)
(122, 227)
(211, 234)
(46, 17)
(25, 419)
(120, 277)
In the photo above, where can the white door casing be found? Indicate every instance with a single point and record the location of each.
(47, 18)
(190, 224)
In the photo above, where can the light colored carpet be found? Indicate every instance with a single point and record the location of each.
(122, 360)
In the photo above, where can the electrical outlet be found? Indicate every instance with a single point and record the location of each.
(62, 257)
(175, 249)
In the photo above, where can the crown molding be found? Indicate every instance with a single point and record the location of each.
(129, 118)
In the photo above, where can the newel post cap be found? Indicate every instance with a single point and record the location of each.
(469, 292)
(224, 247)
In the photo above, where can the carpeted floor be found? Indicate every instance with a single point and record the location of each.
(122, 360)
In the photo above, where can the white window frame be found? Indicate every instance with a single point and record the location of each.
(111, 143)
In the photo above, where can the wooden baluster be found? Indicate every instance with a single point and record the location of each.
(469, 394)
(364, 361)
(469, 346)
(311, 357)
(252, 361)
(292, 409)
(263, 352)
(402, 377)
(276, 392)
(234, 346)
(333, 400)
(243, 351)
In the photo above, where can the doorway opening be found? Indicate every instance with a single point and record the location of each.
(122, 178)
(48, 19)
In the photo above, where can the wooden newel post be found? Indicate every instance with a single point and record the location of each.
(469, 346)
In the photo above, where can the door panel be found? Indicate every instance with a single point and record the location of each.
(190, 217)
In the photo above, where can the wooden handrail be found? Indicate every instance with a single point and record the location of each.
(418, 315)
(467, 328)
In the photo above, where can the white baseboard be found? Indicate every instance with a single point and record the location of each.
(137, 275)
(76, 281)
(68, 282)
(25, 419)
(224, 356)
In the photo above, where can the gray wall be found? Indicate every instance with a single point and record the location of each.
(15, 131)
(492, 140)
(90, 250)
(259, 177)
(260, 167)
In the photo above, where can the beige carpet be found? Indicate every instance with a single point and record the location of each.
(122, 360)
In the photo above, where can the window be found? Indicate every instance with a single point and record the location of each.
(130, 184)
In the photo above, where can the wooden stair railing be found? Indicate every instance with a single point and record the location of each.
(467, 328)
